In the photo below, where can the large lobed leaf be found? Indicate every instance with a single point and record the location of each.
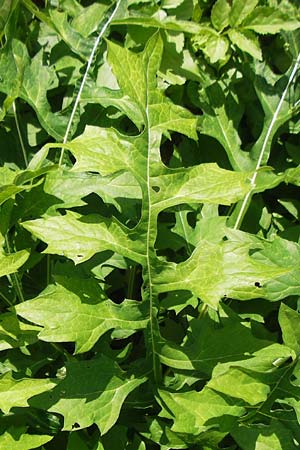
(92, 391)
(78, 310)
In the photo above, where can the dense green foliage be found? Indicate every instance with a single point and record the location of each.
(149, 225)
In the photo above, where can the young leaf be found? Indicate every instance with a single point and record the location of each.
(219, 14)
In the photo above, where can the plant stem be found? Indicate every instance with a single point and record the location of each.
(7, 301)
(20, 134)
(14, 278)
(88, 66)
(247, 199)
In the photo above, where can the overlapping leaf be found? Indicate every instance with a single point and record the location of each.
(92, 392)
(15, 393)
(228, 344)
(160, 232)
(79, 311)
(16, 438)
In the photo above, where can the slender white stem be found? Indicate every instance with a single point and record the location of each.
(264, 146)
(20, 134)
(88, 66)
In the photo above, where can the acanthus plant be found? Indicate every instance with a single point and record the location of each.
(150, 262)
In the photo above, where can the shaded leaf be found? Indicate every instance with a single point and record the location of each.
(208, 344)
(14, 333)
(15, 393)
(84, 398)
(195, 412)
(16, 438)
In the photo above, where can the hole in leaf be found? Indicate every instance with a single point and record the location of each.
(156, 188)
(257, 284)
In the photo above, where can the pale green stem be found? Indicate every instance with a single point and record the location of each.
(7, 301)
(14, 278)
(20, 134)
(247, 199)
(88, 66)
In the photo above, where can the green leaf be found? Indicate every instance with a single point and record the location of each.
(85, 236)
(14, 333)
(78, 310)
(16, 438)
(212, 44)
(289, 323)
(265, 20)
(37, 80)
(6, 7)
(92, 391)
(274, 436)
(225, 269)
(269, 93)
(220, 14)
(247, 42)
(69, 188)
(220, 120)
(108, 97)
(13, 61)
(240, 10)
(11, 263)
(208, 344)
(89, 19)
(166, 24)
(9, 191)
(15, 393)
(195, 412)
(73, 38)
(200, 184)
(102, 150)
(240, 384)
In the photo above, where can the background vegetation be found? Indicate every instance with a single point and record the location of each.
(149, 225)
